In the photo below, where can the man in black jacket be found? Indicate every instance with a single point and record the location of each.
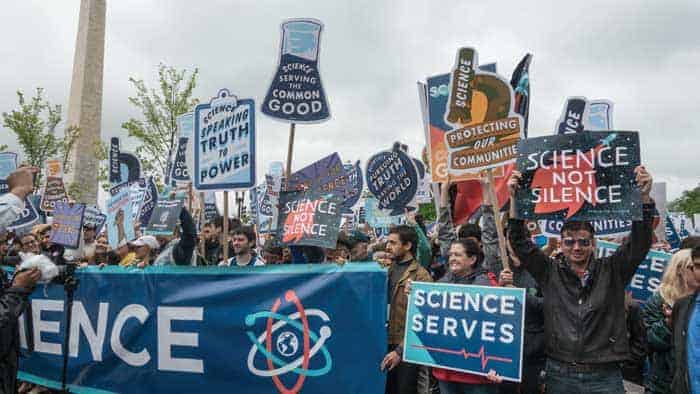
(584, 298)
(686, 338)
(13, 302)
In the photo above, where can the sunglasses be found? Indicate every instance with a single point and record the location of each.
(582, 242)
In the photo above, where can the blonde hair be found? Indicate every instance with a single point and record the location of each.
(673, 284)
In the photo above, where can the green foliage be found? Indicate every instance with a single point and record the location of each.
(34, 123)
(160, 108)
(688, 202)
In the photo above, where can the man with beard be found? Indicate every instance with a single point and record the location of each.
(243, 242)
(401, 248)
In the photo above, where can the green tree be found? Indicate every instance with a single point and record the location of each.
(160, 108)
(688, 202)
(34, 123)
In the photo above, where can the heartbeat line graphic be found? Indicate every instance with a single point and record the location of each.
(463, 352)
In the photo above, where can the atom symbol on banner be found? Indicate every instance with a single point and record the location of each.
(288, 343)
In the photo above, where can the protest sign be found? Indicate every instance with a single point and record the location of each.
(582, 176)
(8, 163)
(53, 168)
(150, 199)
(164, 218)
(309, 218)
(480, 109)
(377, 218)
(167, 338)
(647, 278)
(672, 236)
(211, 212)
(296, 93)
(67, 225)
(392, 178)
(602, 227)
(326, 175)
(137, 192)
(120, 227)
(354, 186)
(600, 115)
(95, 218)
(123, 166)
(180, 169)
(224, 137)
(54, 191)
(520, 82)
(575, 114)
(27, 218)
(423, 195)
(471, 329)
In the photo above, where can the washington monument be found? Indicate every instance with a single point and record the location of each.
(85, 102)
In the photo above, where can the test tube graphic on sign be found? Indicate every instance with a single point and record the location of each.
(296, 93)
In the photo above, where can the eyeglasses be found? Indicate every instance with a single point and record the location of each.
(582, 242)
(32, 242)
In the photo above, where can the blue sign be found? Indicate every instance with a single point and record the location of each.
(672, 235)
(354, 188)
(376, 218)
(224, 143)
(296, 93)
(150, 199)
(472, 329)
(8, 163)
(120, 225)
(211, 211)
(647, 278)
(393, 179)
(185, 330)
(574, 116)
(324, 176)
(67, 225)
(94, 217)
(180, 170)
(27, 218)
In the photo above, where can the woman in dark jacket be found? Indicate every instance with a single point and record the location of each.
(676, 283)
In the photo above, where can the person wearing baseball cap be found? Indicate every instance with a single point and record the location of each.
(144, 247)
(359, 242)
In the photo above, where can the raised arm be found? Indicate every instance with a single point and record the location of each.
(531, 257)
(631, 253)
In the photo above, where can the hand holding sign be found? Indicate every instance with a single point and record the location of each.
(21, 181)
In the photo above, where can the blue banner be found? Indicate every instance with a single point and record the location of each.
(224, 143)
(471, 329)
(296, 93)
(647, 278)
(215, 330)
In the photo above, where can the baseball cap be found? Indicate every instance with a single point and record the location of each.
(146, 240)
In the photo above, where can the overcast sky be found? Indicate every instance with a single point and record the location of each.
(642, 55)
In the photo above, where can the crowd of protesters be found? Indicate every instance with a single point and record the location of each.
(582, 331)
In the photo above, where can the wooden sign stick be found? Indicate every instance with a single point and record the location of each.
(497, 217)
(224, 234)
